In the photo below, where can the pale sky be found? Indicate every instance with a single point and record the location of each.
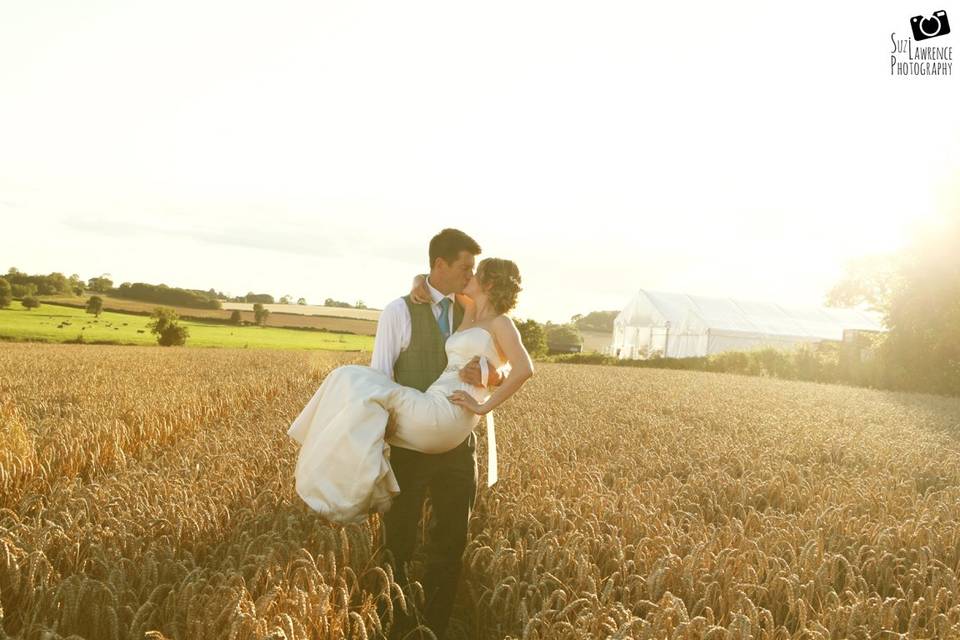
(743, 149)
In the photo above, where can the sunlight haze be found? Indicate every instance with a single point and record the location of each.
(313, 148)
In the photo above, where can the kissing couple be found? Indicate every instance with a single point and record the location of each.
(376, 439)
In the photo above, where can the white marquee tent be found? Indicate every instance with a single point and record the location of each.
(680, 325)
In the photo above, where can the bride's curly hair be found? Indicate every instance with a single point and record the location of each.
(503, 276)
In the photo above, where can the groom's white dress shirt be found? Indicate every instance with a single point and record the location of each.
(395, 328)
(394, 331)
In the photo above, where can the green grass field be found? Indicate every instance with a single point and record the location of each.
(49, 323)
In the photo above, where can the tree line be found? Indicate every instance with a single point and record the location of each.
(540, 339)
(266, 298)
(23, 285)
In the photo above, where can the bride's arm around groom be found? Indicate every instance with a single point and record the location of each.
(507, 336)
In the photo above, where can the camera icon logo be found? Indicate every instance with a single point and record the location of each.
(935, 25)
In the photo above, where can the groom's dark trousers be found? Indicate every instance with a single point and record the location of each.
(450, 478)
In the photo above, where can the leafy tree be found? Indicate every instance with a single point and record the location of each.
(918, 291)
(260, 314)
(301, 301)
(563, 337)
(163, 317)
(214, 294)
(867, 280)
(51, 284)
(235, 317)
(23, 290)
(30, 302)
(76, 284)
(264, 298)
(95, 305)
(599, 321)
(167, 328)
(533, 336)
(6, 293)
(286, 299)
(100, 284)
(922, 348)
(360, 305)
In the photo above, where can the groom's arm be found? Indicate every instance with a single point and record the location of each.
(389, 341)
(393, 335)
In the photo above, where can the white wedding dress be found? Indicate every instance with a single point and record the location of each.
(343, 469)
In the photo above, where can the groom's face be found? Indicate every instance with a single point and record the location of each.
(454, 276)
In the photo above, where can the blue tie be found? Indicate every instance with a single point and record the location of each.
(444, 318)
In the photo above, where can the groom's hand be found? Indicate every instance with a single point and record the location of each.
(471, 374)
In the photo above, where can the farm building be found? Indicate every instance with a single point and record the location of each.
(678, 325)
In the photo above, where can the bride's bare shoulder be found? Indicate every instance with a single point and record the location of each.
(504, 332)
(503, 323)
(503, 329)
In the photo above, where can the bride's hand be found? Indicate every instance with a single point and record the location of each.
(465, 400)
(419, 292)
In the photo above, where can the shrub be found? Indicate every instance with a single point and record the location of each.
(169, 331)
(823, 362)
(173, 335)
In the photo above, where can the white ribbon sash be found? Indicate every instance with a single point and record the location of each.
(491, 432)
(491, 452)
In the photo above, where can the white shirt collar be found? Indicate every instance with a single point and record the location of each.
(436, 295)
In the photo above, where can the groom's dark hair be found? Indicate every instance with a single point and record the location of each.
(449, 243)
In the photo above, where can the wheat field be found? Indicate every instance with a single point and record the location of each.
(148, 492)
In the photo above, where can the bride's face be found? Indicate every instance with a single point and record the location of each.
(473, 288)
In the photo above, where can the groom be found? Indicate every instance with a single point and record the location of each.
(409, 347)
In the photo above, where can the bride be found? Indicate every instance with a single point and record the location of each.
(343, 469)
